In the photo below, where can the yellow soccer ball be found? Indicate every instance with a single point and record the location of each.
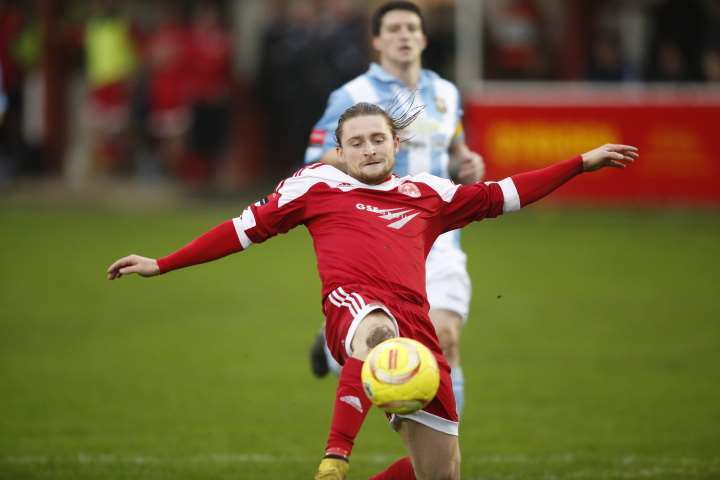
(400, 375)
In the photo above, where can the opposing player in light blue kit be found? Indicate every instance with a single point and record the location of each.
(434, 143)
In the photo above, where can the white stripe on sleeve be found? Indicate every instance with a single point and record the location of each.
(242, 223)
(510, 194)
(248, 219)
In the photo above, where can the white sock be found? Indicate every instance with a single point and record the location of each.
(458, 385)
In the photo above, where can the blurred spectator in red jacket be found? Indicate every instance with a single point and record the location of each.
(169, 73)
(210, 60)
(517, 42)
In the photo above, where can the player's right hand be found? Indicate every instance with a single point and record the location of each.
(143, 266)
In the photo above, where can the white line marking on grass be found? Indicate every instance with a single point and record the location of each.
(574, 466)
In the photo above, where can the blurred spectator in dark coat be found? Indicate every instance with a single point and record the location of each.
(677, 41)
(11, 24)
(304, 57)
(711, 51)
(342, 38)
(439, 56)
(284, 50)
(605, 63)
(711, 64)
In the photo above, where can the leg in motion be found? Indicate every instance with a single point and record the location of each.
(448, 325)
(435, 455)
(351, 403)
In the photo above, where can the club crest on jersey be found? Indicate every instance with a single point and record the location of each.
(440, 105)
(401, 216)
(409, 189)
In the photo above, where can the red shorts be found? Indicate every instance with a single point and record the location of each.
(346, 307)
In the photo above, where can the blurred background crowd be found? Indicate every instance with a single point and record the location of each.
(221, 93)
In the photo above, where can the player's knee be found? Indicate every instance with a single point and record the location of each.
(378, 335)
(373, 330)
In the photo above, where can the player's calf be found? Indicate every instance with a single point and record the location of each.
(435, 455)
(425, 471)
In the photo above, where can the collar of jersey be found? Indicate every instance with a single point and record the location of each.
(391, 182)
(379, 73)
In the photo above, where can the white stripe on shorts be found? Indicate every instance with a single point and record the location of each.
(340, 301)
(429, 420)
(357, 300)
(359, 309)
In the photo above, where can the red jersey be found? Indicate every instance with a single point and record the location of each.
(371, 235)
(371, 238)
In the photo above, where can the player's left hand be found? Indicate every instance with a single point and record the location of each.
(467, 167)
(609, 155)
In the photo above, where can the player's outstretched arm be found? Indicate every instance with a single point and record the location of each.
(522, 189)
(143, 266)
(534, 185)
(216, 243)
(609, 155)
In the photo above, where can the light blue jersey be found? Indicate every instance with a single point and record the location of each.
(426, 140)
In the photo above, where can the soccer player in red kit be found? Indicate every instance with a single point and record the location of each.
(371, 232)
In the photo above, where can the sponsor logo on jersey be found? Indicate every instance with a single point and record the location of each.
(409, 189)
(440, 105)
(401, 215)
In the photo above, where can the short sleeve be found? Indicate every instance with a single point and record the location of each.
(275, 214)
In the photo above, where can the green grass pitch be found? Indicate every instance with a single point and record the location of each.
(592, 351)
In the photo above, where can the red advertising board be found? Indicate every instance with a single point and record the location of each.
(678, 135)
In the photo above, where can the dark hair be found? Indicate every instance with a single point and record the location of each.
(400, 113)
(377, 16)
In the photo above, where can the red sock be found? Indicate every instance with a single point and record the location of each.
(351, 407)
(400, 470)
